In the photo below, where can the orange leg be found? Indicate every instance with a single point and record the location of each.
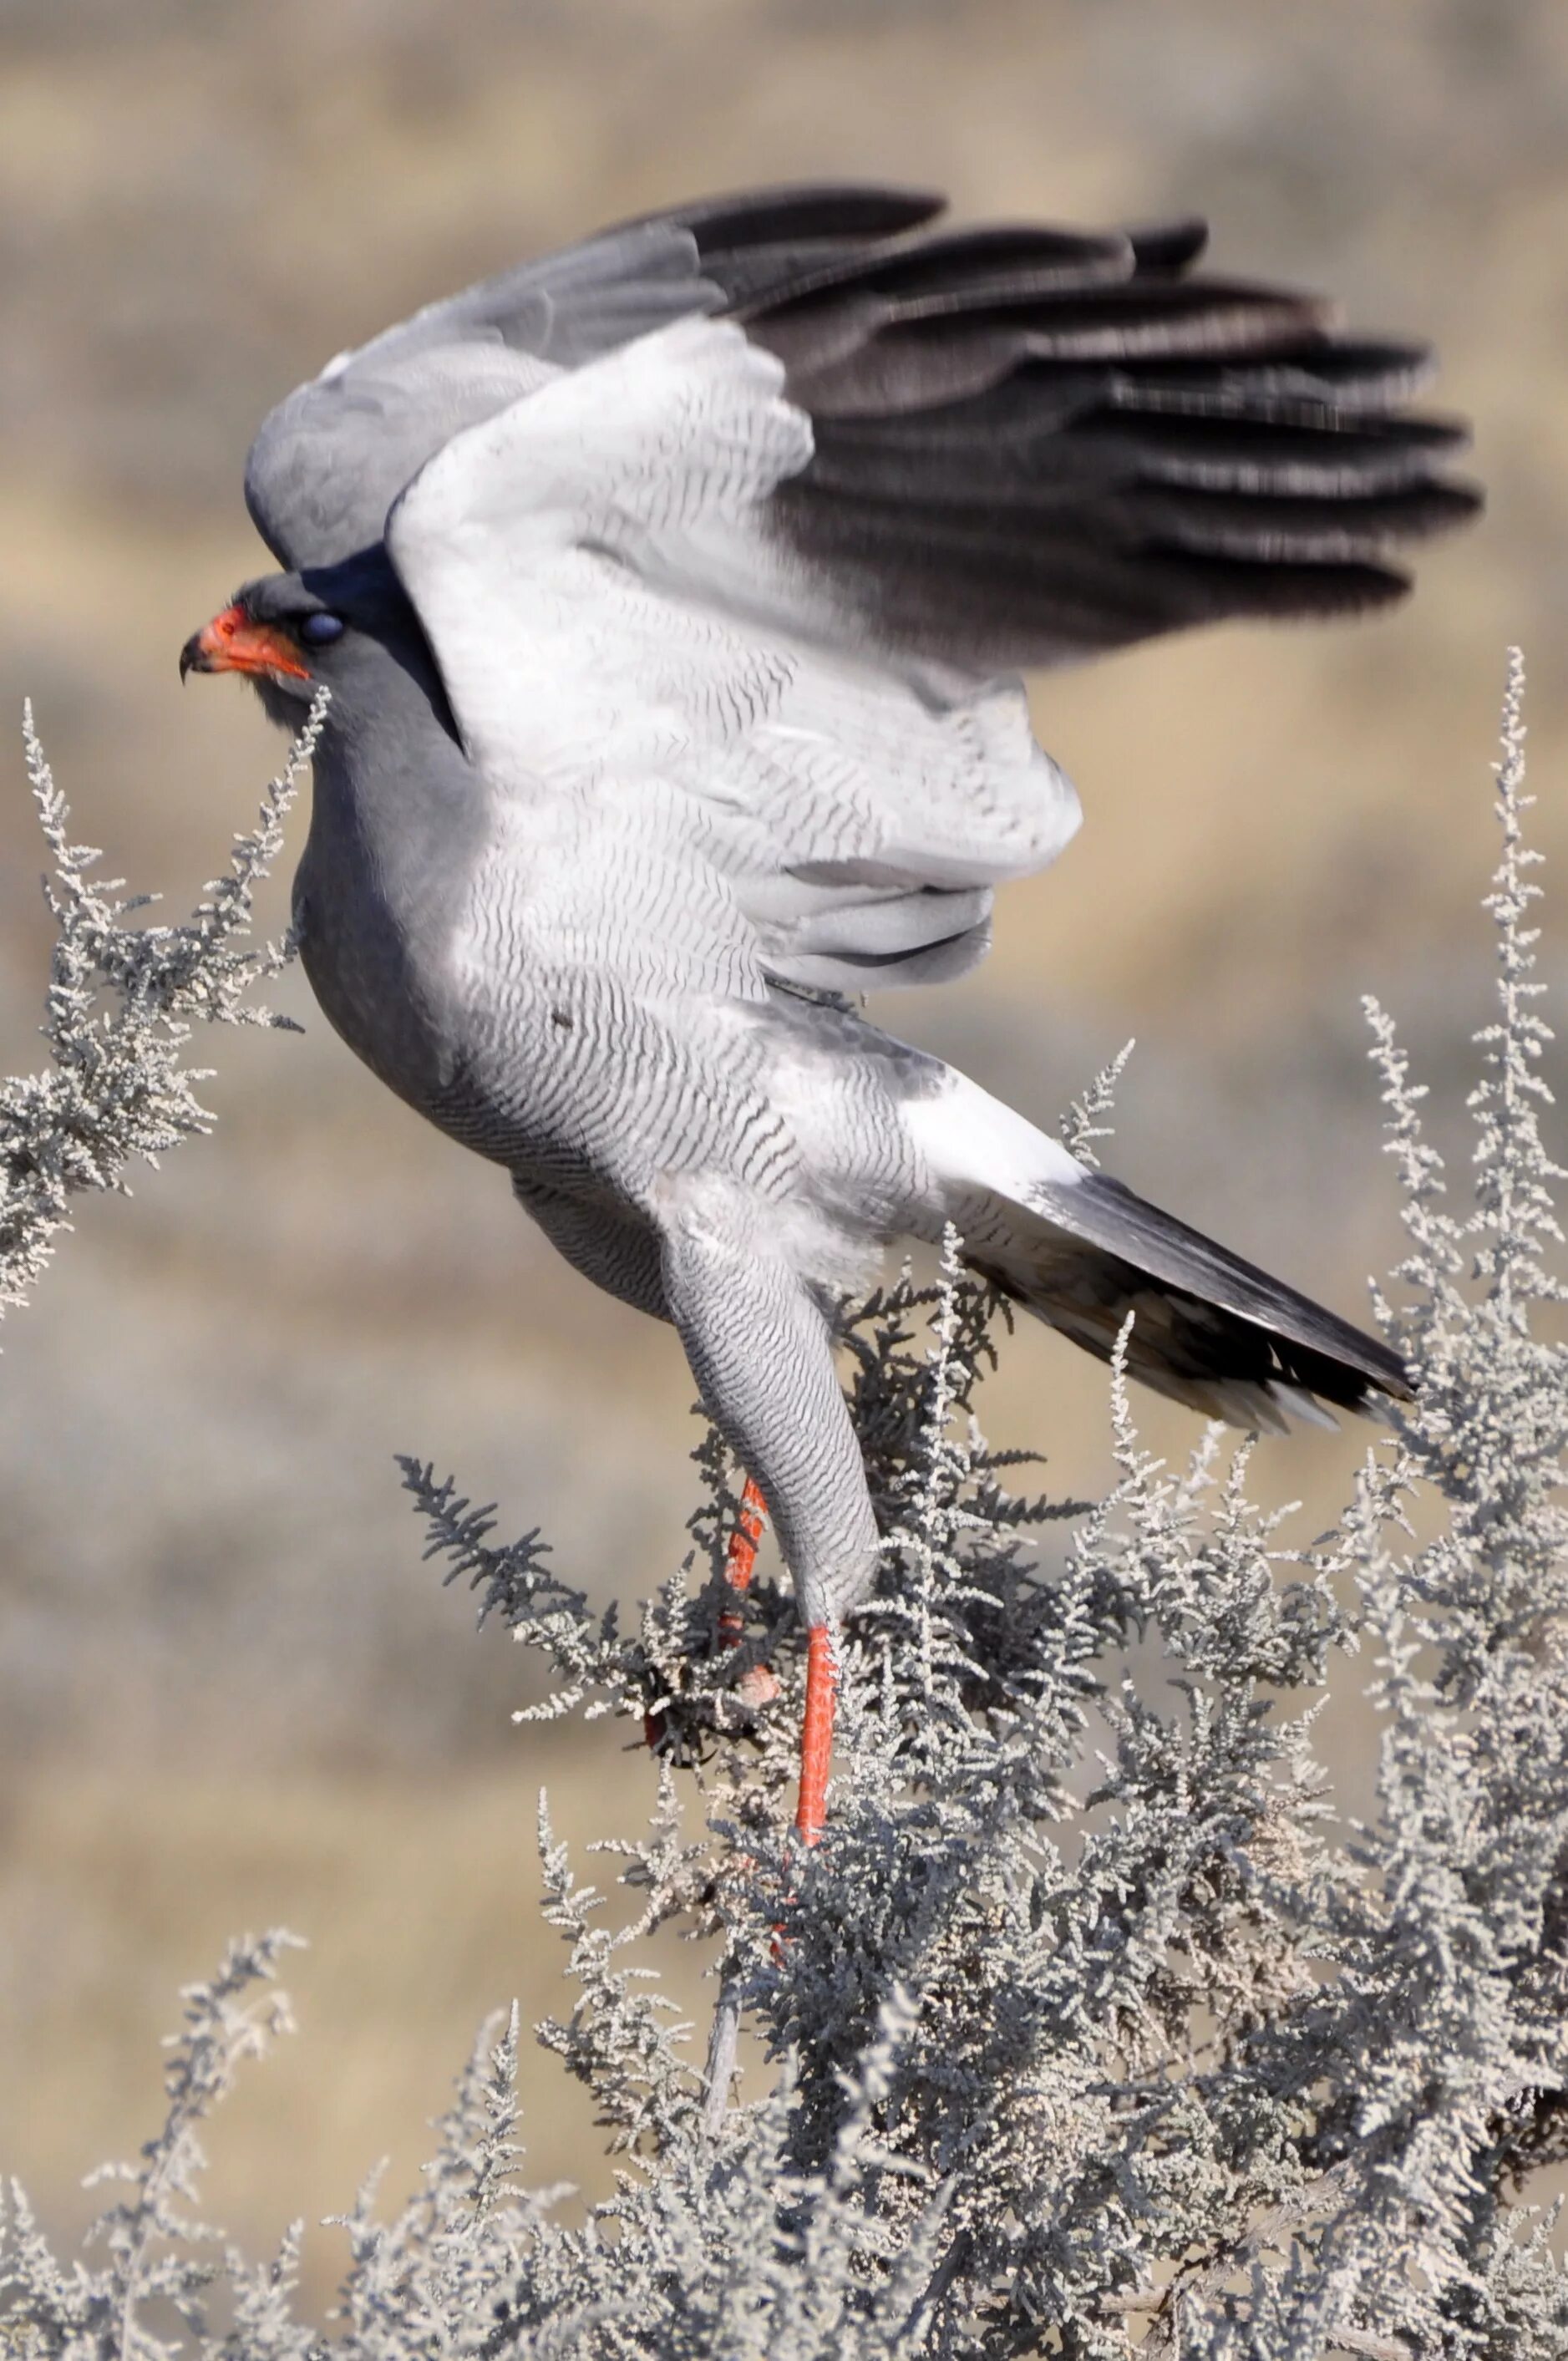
(758, 1686)
(741, 1561)
(816, 1747)
(817, 1733)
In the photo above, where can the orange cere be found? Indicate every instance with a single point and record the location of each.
(234, 642)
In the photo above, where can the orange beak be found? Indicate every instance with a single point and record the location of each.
(231, 642)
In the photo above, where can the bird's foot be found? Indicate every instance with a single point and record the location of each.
(758, 1686)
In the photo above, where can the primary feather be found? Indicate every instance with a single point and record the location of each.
(685, 575)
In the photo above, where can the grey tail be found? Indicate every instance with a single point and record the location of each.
(1208, 1329)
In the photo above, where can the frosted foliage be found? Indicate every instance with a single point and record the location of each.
(122, 1004)
(1094, 2025)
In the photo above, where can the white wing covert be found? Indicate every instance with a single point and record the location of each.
(650, 682)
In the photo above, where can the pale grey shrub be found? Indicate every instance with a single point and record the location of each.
(120, 1010)
(1095, 2025)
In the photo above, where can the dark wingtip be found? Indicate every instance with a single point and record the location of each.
(1169, 245)
(807, 209)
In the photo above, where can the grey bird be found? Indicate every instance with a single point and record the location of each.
(671, 594)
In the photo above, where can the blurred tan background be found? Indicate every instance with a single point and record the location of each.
(230, 1693)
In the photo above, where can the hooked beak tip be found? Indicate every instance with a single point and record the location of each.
(236, 642)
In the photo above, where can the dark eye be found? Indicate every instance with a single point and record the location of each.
(319, 629)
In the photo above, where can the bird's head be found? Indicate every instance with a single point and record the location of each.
(278, 634)
(329, 627)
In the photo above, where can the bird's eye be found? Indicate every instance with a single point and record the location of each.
(320, 628)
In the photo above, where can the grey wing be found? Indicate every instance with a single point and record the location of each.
(695, 783)
(331, 458)
(1029, 444)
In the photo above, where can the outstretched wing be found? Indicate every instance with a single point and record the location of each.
(672, 713)
(1028, 443)
(1031, 447)
(330, 459)
(760, 577)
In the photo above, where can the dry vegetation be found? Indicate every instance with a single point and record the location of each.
(225, 1691)
(1098, 2022)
